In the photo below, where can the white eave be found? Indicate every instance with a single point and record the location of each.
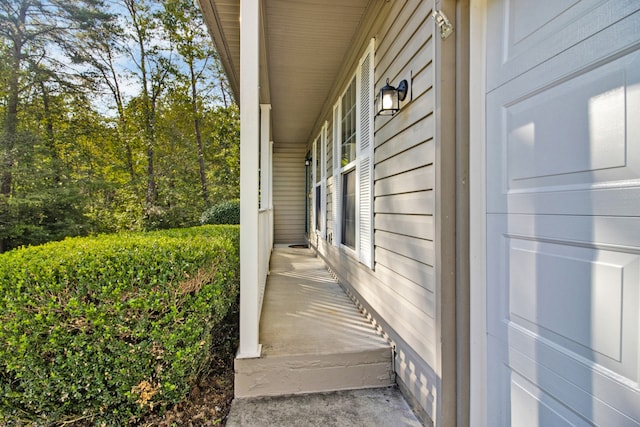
(305, 45)
(223, 20)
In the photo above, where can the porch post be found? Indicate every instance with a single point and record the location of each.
(271, 192)
(249, 138)
(271, 175)
(265, 160)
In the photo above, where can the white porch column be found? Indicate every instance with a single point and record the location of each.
(271, 191)
(265, 159)
(249, 138)
(271, 176)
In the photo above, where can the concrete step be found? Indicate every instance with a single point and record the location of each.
(313, 337)
(313, 373)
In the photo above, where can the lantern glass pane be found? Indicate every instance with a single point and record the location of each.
(387, 100)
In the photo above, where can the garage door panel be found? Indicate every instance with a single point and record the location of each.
(532, 407)
(563, 301)
(497, 276)
(560, 144)
(560, 384)
(499, 380)
(530, 33)
(535, 384)
(571, 287)
(621, 233)
(573, 297)
(563, 212)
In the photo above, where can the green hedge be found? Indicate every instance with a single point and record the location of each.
(105, 329)
(223, 213)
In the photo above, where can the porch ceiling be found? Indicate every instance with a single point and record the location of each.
(305, 43)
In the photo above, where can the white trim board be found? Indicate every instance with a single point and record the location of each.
(477, 235)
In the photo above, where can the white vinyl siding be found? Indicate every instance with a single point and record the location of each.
(398, 282)
(288, 193)
(401, 288)
(405, 153)
(405, 176)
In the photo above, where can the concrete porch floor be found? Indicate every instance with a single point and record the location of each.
(313, 337)
(322, 363)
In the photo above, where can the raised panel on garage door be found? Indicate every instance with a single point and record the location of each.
(563, 212)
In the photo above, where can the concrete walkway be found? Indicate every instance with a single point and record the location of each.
(313, 337)
(322, 364)
(379, 407)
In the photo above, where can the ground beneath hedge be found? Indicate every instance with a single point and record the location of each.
(209, 401)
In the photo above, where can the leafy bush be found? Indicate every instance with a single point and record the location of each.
(39, 218)
(104, 329)
(223, 213)
(164, 218)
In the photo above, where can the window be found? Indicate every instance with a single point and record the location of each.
(318, 160)
(353, 163)
(348, 156)
(318, 208)
(349, 209)
(348, 125)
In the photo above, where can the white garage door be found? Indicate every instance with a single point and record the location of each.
(563, 212)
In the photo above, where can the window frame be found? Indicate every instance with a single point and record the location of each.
(319, 185)
(363, 254)
(350, 166)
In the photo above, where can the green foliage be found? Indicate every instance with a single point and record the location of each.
(79, 155)
(223, 213)
(223, 153)
(40, 217)
(104, 329)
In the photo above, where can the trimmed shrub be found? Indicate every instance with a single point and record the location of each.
(223, 213)
(104, 329)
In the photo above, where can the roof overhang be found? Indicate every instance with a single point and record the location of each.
(223, 21)
(304, 47)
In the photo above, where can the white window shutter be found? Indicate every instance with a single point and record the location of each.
(365, 159)
(336, 210)
(312, 213)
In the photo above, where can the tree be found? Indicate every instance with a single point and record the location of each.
(32, 32)
(223, 131)
(185, 28)
(152, 70)
(28, 27)
(111, 118)
(100, 49)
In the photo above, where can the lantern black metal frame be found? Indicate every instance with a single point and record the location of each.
(389, 98)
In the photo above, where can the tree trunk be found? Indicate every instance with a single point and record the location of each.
(196, 126)
(122, 121)
(152, 189)
(11, 121)
(51, 139)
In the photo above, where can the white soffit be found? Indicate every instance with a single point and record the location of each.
(307, 42)
(223, 20)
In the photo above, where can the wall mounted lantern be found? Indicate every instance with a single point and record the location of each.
(389, 97)
(307, 161)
